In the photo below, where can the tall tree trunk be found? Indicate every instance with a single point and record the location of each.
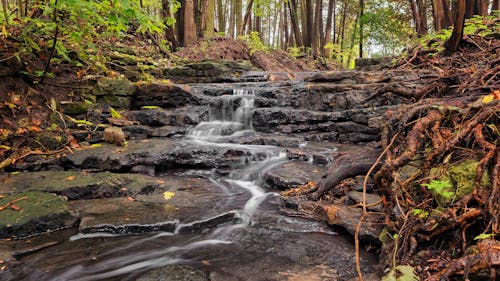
(476, 7)
(221, 17)
(179, 23)
(361, 20)
(495, 7)
(169, 31)
(328, 28)
(189, 23)
(232, 17)
(209, 27)
(292, 6)
(458, 29)
(315, 34)
(422, 11)
(442, 18)
(307, 30)
(238, 7)
(246, 19)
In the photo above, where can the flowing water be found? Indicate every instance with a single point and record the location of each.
(259, 244)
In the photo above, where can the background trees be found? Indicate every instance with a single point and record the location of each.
(337, 29)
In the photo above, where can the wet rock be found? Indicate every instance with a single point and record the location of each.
(79, 185)
(174, 273)
(167, 131)
(195, 205)
(118, 86)
(372, 64)
(151, 152)
(114, 101)
(189, 115)
(162, 95)
(292, 174)
(37, 212)
(373, 201)
(89, 136)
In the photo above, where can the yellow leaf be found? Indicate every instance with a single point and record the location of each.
(5, 33)
(168, 194)
(488, 99)
(70, 178)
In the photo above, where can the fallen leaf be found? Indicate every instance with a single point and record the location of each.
(70, 178)
(168, 194)
(496, 94)
(35, 129)
(205, 262)
(15, 207)
(488, 99)
(130, 198)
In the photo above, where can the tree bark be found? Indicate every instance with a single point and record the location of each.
(209, 27)
(361, 20)
(292, 6)
(442, 18)
(315, 34)
(328, 29)
(308, 20)
(169, 31)
(495, 7)
(189, 23)
(458, 29)
(248, 13)
(221, 18)
(238, 7)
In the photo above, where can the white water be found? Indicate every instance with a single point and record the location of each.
(233, 118)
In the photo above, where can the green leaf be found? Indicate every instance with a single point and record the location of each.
(53, 104)
(150, 107)
(483, 236)
(115, 113)
(401, 273)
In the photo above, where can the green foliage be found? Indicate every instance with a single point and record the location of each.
(115, 114)
(483, 236)
(294, 52)
(420, 213)
(255, 43)
(401, 273)
(440, 188)
(81, 24)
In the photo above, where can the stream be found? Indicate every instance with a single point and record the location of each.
(254, 241)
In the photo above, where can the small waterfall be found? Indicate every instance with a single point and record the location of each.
(233, 113)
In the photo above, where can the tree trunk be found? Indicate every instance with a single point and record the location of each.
(209, 27)
(247, 18)
(221, 18)
(292, 6)
(169, 31)
(442, 18)
(315, 34)
(179, 23)
(422, 11)
(495, 7)
(307, 30)
(458, 29)
(238, 7)
(361, 20)
(328, 29)
(189, 24)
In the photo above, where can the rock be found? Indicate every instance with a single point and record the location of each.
(115, 136)
(50, 141)
(39, 212)
(189, 115)
(74, 108)
(372, 64)
(373, 201)
(292, 174)
(194, 205)
(151, 152)
(162, 95)
(118, 86)
(114, 101)
(78, 185)
(173, 273)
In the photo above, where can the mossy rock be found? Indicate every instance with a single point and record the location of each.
(114, 101)
(119, 86)
(37, 213)
(204, 65)
(454, 182)
(74, 108)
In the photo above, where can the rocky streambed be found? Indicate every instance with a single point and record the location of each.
(194, 195)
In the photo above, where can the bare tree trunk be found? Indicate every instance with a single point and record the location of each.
(495, 7)
(209, 26)
(328, 29)
(189, 23)
(221, 17)
(422, 11)
(315, 34)
(292, 6)
(307, 29)
(238, 7)
(361, 14)
(247, 19)
(458, 29)
(169, 31)
(442, 18)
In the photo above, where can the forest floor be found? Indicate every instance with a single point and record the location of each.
(440, 174)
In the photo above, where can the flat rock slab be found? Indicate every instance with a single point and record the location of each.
(32, 213)
(150, 152)
(80, 185)
(191, 205)
(292, 174)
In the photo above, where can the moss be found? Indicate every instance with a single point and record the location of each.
(37, 204)
(461, 178)
(119, 86)
(74, 108)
